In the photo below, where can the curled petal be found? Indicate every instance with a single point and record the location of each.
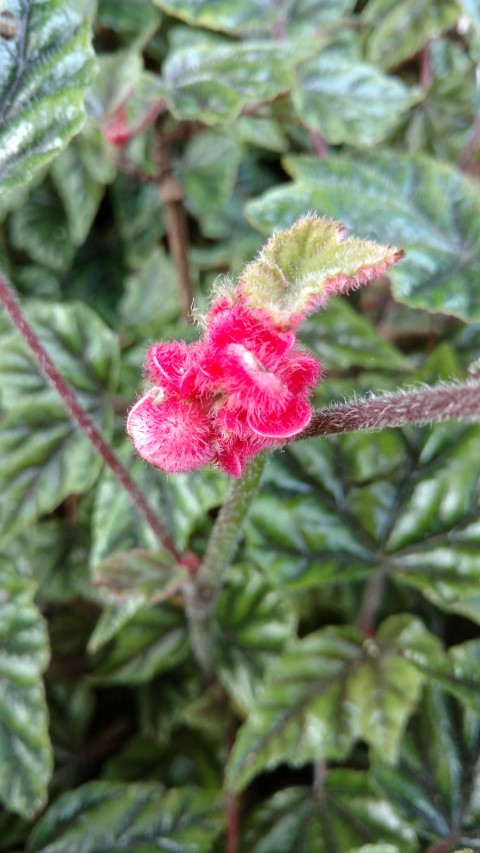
(174, 434)
(237, 324)
(172, 365)
(301, 373)
(294, 418)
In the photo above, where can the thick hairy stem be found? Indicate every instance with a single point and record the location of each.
(447, 401)
(201, 594)
(79, 415)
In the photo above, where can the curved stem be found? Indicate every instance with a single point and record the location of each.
(447, 401)
(202, 591)
(80, 416)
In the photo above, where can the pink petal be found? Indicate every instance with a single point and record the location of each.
(294, 418)
(301, 373)
(173, 365)
(174, 434)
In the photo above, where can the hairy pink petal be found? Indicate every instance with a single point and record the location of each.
(173, 365)
(301, 373)
(174, 434)
(237, 324)
(294, 418)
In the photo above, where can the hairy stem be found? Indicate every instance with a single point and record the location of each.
(447, 401)
(79, 415)
(201, 594)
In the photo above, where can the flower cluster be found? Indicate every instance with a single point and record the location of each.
(243, 387)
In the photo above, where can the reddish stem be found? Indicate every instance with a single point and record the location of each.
(79, 415)
(447, 401)
(233, 823)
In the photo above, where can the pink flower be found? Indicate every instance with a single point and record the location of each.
(242, 388)
(172, 433)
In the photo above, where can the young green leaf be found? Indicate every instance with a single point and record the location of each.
(25, 752)
(46, 69)
(132, 818)
(300, 268)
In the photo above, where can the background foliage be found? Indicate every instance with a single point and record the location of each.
(347, 731)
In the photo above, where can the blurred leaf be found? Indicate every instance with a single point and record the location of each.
(368, 104)
(342, 338)
(149, 576)
(46, 458)
(46, 69)
(208, 170)
(151, 297)
(212, 83)
(25, 752)
(327, 690)
(181, 502)
(82, 347)
(457, 672)
(153, 641)
(139, 219)
(435, 785)
(79, 175)
(297, 270)
(428, 208)
(142, 817)
(245, 16)
(40, 228)
(252, 625)
(345, 812)
(127, 19)
(399, 30)
(117, 74)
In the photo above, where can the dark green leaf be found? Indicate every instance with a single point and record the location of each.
(40, 228)
(342, 338)
(45, 459)
(429, 209)
(138, 818)
(252, 624)
(153, 641)
(46, 69)
(436, 782)
(80, 174)
(345, 812)
(25, 752)
(458, 672)
(82, 347)
(368, 104)
(150, 576)
(326, 691)
(151, 297)
(181, 502)
(139, 215)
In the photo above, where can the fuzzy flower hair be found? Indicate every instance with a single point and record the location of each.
(242, 388)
